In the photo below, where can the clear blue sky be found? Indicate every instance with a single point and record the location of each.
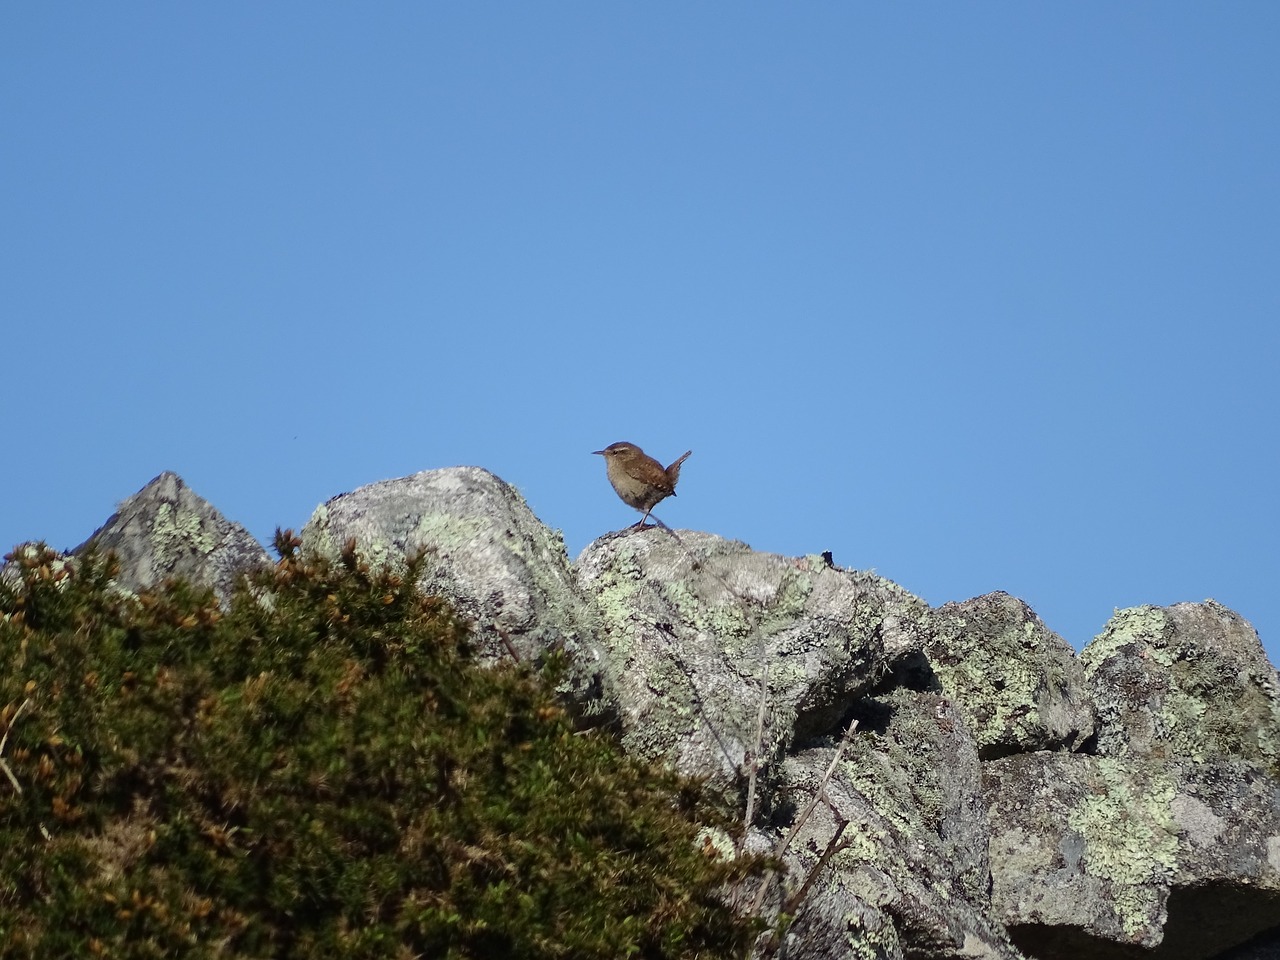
(981, 296)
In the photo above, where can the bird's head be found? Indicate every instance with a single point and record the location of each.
(620, 449)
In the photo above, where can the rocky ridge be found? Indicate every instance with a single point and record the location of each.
(981, 790)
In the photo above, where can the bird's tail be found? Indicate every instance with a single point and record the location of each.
(673, 471)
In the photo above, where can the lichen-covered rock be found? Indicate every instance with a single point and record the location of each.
(1226, 884)
(1017, 682)
(910, 877)
(488, 555)
(1168, 840)
(986, 806)
(31, 556)
(167, 531)
(1083, 850)
(1099, 856)
(691, 622)
(1190, 682)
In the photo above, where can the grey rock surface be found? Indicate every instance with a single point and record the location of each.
(1080, 844)
(1094, 856)
(1165, 842)
(488, 555)
(166, 530)
(690, 622)
(1017, 683)
(911, 875)
(1000, 796)
(1189, 682)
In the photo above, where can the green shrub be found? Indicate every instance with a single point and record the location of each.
(319, 770)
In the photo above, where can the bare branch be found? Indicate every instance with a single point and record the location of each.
(754, 767)
(834, 846)
(506, 642)
(819, 796)
(4, 742)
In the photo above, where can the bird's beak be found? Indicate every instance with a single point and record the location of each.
(601, 452)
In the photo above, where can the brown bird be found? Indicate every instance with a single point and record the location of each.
(641, 481)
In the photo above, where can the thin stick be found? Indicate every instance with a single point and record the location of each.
(511, 647)
(755, 755)
(4, 765)
(4, 742)
(818, 796)
(791, 903)
(834, 846)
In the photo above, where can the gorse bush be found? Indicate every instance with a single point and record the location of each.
(319, 770)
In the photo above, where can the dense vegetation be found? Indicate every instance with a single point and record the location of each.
(319, 770)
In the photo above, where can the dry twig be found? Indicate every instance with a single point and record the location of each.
(4, 742)
(754, 768)
(818, 796)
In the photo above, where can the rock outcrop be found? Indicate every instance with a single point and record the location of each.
(488, 555)
(1018, 684)
(1166, 838)
(941, 783)
(904, 811)
(697, 631)
(167, 531)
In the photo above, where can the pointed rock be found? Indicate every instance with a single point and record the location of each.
(166, 530)
(1189, 681)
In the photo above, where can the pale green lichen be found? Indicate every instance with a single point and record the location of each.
(1180, 725)
(872, 941)
(726, 621)
(890, 771)
(1005, 690)
(59, 570)
(317, 535)
(867, 620)
(794, 591)
(679, 595)
(615, 594)
(863, 843)
(787, 673)
(1012, 678)
(720, 617)
(1200, 700)
(1131, 838)
(718, 842)
(449, 531)
(1147, 625)
(175, 530)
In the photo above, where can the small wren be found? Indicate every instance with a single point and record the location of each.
(638, 479)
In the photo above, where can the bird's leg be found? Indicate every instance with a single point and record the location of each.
(657, 522)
